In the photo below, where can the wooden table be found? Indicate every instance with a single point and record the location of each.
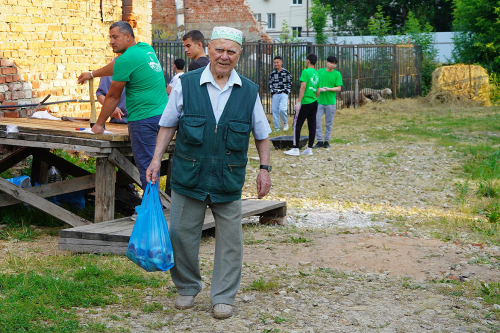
(37, 137)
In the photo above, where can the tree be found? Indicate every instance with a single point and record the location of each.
(352, 16)
(318, 19)
(287, 36)
(379, 25)
(477, 40)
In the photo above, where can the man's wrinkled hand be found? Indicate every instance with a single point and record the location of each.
(84, 77)
(97, 129)
(152, 171)
(117, 114)
(263, 183)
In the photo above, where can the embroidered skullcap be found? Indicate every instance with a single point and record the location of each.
(227, 33)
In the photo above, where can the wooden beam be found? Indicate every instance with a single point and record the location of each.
(126, 197)
(39, 169)
(104, 190)
(42, 204)
(122, 163)
(14, 158)
(64, 166)
(49, 190)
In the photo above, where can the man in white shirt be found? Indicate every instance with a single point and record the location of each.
(213, 110)
(178, 69)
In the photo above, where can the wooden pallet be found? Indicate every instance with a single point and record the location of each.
(113, 236)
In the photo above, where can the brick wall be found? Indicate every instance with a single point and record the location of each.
(45, 44)
(203, 15)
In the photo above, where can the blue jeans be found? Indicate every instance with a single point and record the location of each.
(279, 107)
(143, 135)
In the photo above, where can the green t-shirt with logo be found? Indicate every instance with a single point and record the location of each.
(311, 78)
(145, 91)
(330, 80)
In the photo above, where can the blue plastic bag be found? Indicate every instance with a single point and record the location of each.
(149, 245)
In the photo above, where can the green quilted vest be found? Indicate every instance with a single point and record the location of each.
(210, 159)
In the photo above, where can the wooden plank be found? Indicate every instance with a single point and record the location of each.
(104, 190)
(65, 128)
(14, 158)
(122, 163)
(51, 145)
(42, 204)
(49, 190)
(64, 166)
(92, 246)
(39, 169)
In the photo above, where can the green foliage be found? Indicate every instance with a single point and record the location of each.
(379, 25)
(87, 163)
(477, 39)
(488, 189)
(262, 285)
(352, 17)
(318, 19)
(287, 34)
(482, 162)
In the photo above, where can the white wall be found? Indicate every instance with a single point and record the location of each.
(443, 42)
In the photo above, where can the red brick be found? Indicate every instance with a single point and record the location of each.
(11, 114)
(9, 78)
(6, 62)
(2, 79)
(16, 78)
(9, 70)
(2, 98)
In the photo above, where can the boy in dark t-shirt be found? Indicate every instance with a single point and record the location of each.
(194, 46)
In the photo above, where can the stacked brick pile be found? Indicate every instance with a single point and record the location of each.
(45, 44)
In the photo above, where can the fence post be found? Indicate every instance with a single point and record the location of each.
(358, 80)
(259, 65)
(356, 93)
(394, 72)
(470, 81)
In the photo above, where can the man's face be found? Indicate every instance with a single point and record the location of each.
(330, 66)
(278, 64)
(224, 55)
(119, 41)
(191, 48)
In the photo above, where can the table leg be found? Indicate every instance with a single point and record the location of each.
(104, 190)
(39, 169)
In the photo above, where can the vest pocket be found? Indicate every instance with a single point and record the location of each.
(237, 136)
(185, 170)
(234, 176)
(193, 128)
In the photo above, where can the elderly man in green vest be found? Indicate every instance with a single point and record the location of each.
(213, 110)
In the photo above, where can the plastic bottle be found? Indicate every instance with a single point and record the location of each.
(53, 175)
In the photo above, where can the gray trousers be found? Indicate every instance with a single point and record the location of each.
(186, 221)
(329, 112)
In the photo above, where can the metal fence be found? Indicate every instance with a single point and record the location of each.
(368, 71)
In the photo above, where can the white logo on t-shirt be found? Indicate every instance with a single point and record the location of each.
(155, 65)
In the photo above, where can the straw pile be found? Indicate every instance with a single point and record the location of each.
(460, 84)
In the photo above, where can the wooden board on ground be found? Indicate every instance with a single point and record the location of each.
(66, 128)
(113, 236)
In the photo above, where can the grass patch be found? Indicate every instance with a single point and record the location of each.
(262, 285)
(44, 295)
(22, 233)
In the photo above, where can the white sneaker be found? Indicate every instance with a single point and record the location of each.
(293, 152)
(307, 151)
(285, 127)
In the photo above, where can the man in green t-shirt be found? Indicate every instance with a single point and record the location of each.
(330, 82)
(306, 106)
(140, 72)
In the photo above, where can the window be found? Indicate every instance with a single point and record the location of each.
(271, 21)
(296, 2)
(299, 31)
(258, 17)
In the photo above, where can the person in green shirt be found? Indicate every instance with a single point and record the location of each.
(306, 106)
(330, 82)
(140, 72)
